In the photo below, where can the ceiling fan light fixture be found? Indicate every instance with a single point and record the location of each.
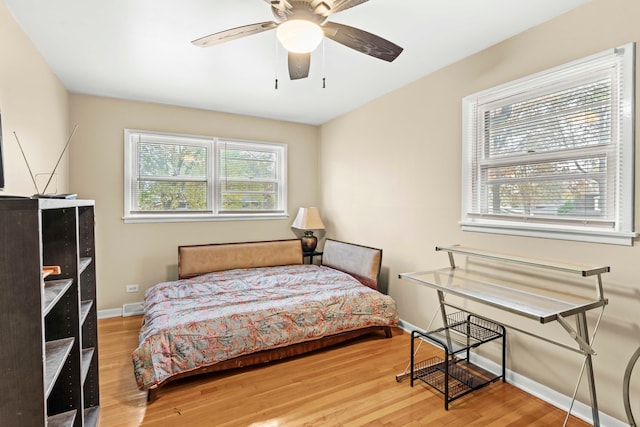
(299, 35)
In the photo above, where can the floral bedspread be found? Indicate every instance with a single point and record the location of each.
(211, 318)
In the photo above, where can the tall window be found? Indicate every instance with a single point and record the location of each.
(551, 155)
(181, 177)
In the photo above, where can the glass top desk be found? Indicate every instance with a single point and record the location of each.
(480, 286)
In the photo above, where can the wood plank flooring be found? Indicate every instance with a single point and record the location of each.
(347, 385)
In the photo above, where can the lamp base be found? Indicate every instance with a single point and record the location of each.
(309, 242)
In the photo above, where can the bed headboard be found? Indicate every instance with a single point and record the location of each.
(362, 262)
(194, 260)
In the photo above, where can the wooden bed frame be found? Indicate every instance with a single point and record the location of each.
(362, 262)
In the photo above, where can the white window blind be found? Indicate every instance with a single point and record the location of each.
(172, 177)
(171, 174)
(551, 155)
(250, 177)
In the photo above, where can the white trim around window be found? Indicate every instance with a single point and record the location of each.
(184, 178)
(552, 155)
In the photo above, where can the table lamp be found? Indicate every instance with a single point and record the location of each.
(308, 219)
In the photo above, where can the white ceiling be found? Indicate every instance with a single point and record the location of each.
(141, 50)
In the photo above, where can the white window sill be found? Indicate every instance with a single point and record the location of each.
(579, 234)
(150, 218)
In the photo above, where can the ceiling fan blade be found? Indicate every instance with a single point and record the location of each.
(340, 5)
(234, 33)
(282, 5)
(362, 41)
(299, 64)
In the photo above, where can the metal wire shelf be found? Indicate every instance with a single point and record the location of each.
(477, 328)
(454, 375)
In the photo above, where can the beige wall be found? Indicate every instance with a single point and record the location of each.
(34, 105)
(390, 177)
(146, 254)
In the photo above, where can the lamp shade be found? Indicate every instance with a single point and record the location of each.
(308, 219)
(299, 35)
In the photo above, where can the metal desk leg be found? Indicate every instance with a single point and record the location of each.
(583, 332)
(445, 320)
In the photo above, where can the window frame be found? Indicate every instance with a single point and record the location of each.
(547, 82)
(213, 212)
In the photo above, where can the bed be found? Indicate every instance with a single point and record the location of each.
(242, 304)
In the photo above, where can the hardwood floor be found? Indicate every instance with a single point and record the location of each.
(347, 385)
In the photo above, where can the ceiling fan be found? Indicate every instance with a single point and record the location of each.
(301, 25)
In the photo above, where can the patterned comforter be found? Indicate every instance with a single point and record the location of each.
(214, 317)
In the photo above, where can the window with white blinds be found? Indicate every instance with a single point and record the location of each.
(189, 178)
(552, 155)
(250, 177)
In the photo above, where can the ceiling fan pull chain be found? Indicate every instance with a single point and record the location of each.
(276, 62)
(324, 83)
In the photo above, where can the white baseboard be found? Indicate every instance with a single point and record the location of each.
(579, 410)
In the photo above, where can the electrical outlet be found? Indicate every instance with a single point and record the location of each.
(133, 288)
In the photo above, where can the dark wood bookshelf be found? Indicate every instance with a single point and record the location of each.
(48, 322)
